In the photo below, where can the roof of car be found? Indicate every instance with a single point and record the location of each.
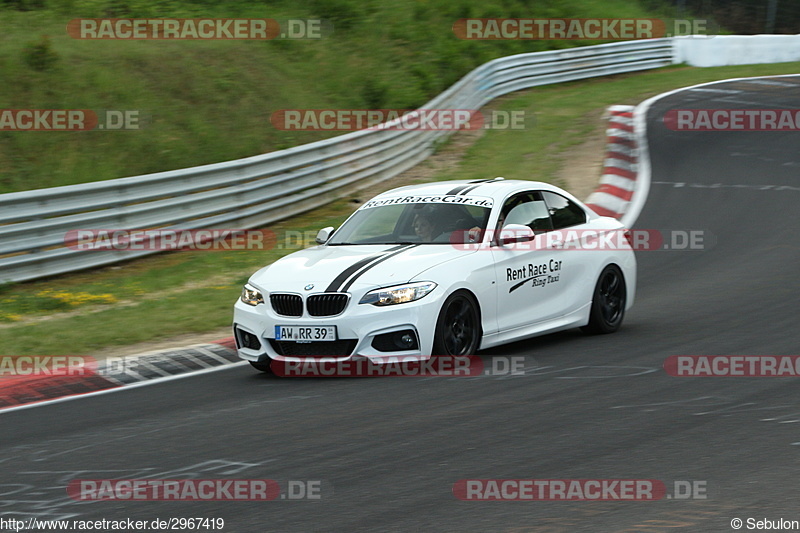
(494, 187)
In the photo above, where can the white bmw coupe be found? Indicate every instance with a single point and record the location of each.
(445, 268)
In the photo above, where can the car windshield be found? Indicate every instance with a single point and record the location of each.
(417, 223)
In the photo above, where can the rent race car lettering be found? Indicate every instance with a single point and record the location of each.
(478, 201)
(533, 270)
(539, 275)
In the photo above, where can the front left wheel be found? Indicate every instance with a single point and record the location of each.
(458, 330)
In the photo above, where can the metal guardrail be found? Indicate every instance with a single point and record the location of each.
(256, 191)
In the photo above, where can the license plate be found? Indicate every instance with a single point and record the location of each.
(305, 333)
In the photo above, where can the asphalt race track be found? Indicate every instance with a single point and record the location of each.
(387, 451)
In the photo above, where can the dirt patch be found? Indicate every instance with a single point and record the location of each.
(583, 164)
(580, 171)
(446, 157)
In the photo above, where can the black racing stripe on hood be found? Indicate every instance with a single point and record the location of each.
(347, 272)
(479, 183)
(381, 260)
(469, 189)
(457, 190)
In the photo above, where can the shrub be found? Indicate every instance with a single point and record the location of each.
(24, 5)
(40, 55)
(374, 94)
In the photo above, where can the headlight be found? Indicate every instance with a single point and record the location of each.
(398, 294)
(251, 295)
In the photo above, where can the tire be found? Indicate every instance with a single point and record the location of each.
(263, 367)
(458, 328)
(608, 302)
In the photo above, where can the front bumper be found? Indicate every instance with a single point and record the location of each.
(356, 331)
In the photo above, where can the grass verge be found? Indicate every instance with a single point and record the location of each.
(207, 101)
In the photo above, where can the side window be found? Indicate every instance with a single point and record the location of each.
(563, 212)
(528, 209)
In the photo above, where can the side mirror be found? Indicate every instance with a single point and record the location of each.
(324, 234)
(516, 233)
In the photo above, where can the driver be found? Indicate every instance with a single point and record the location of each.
(425, 227)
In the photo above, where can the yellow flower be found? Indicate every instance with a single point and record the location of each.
(78, 298)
